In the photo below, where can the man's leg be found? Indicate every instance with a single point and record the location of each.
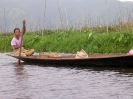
(29, 52)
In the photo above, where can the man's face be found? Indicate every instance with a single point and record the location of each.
(17, 33)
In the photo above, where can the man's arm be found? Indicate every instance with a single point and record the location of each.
(24, 27)
(16, 46)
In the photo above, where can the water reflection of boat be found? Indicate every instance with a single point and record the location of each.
(117, 70)
(93, 60)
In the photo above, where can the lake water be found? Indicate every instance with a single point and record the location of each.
(30, 81)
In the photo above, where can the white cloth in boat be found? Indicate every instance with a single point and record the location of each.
(81, 54)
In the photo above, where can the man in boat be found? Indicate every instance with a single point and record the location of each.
(17, 44)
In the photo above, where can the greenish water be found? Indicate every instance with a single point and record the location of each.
(50, 82)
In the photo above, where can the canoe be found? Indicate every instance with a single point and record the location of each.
(117, 60)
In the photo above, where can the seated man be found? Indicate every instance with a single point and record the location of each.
(17, 44)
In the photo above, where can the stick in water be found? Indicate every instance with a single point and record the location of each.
(21, 42)
(20, 50)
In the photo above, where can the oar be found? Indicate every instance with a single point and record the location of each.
(21, 42)
(20, 49)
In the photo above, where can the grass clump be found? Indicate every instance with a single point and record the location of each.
(75, 41)
(72, 41)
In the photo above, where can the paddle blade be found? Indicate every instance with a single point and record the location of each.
(19, 62)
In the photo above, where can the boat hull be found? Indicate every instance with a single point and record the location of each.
(114, 60)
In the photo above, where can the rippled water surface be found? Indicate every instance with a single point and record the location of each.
(49, 82)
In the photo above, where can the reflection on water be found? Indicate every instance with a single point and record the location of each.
(30, 81)
(118, 70)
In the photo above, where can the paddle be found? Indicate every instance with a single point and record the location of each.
(21, 42)
(20, 50)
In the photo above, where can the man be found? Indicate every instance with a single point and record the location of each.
(17, 44)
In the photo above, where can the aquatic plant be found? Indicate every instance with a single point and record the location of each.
(73, 41)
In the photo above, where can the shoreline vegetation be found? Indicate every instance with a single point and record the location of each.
(92, 40)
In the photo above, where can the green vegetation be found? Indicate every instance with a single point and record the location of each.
(72, 41)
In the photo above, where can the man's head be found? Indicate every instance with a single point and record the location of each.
(17, 32)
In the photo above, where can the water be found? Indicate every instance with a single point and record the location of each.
(39, 82)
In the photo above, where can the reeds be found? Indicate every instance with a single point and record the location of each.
(44, 17)
(107, 15)
(0, 29)
(67, 27)
(96, 24)
(72, 41)
(60, 15)
(5, 20)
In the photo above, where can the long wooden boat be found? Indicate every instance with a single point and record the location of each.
(93, 60)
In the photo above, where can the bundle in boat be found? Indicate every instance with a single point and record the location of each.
(81, 54)
(49, 55)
